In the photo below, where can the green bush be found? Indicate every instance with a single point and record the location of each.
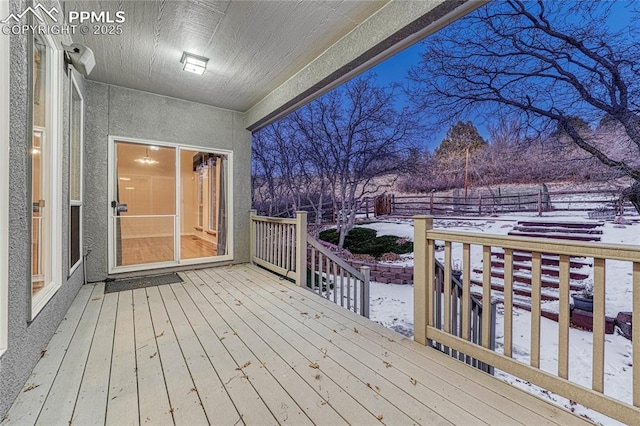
(364, 241)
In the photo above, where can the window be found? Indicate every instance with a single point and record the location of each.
(4, 181)
(75, 176)
(46, 176)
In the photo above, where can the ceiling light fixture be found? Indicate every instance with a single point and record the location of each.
(194, 63)
(146, 160)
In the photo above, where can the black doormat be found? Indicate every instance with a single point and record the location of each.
(141, 282)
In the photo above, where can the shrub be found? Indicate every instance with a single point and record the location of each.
(364, 241)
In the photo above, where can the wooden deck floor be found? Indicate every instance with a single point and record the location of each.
(236, 345)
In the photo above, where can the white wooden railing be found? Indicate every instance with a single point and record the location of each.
(427, 331)
(447, 306)
(284, 247)
(334, 279)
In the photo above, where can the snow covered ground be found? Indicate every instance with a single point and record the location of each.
(392, 306)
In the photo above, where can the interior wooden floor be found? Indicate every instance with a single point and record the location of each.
(237, 345)
(138, 251)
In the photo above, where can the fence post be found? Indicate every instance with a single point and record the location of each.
(301, 248)
(431, 204)
(252, 234)
(480, 205)
(421, 270)
(539, 202)
(364, 295)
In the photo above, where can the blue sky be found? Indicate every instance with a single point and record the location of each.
(395, 69)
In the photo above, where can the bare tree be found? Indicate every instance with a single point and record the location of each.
(544, 63)
(355, 135)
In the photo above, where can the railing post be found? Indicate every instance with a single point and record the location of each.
(301, 248)
(252, 234)
(364, 295)
(421, 270)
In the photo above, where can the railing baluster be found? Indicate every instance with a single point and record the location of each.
(599, 287)
(466, 290)
(486, 295)
(335, 283)
(327, 288)
(313, 269)
(431, 258)
(341, 287)
(356, 290)
(278, 246)
(508, 302)
(563, 318)
(258, 238)
(349, 291)
(320, 277)
(447, 287)
(268, 232)
(536, 309)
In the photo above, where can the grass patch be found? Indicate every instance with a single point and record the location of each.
(364, 241)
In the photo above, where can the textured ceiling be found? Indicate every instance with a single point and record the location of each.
(253, 46)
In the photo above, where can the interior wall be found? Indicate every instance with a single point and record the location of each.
(117, 111)
(27, 340)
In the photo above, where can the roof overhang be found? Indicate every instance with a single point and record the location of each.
(394, 27)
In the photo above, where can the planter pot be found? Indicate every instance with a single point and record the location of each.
(583, 303)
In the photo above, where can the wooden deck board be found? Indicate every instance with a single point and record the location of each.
(154, 407)
(445, 366)
(62, 397)
(94, 389)
(248, 402)
(283, 407)
(27, 406)
(373, 403)
(308, 396)
(185, 403)
(122, 401)
(178, 354)
(214, 398)
(416, 401)
(388, 365)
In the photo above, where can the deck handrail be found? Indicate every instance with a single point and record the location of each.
(428, 330)
(453, 316)
(283, 246)
(274, 244)
(333, 278)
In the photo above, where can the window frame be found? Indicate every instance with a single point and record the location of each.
(5, 65)
(53, 169)
(73, 86)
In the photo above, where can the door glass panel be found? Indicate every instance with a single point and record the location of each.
(202, 204)
(145, 208)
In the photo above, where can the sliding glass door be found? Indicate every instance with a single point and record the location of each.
(168, 206)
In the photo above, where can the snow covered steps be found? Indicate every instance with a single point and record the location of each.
(580, 268)
(573, 231)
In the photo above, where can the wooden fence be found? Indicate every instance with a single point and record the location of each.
(428, 330)
(539, 202)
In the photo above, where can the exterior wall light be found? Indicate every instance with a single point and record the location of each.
(194, 63)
